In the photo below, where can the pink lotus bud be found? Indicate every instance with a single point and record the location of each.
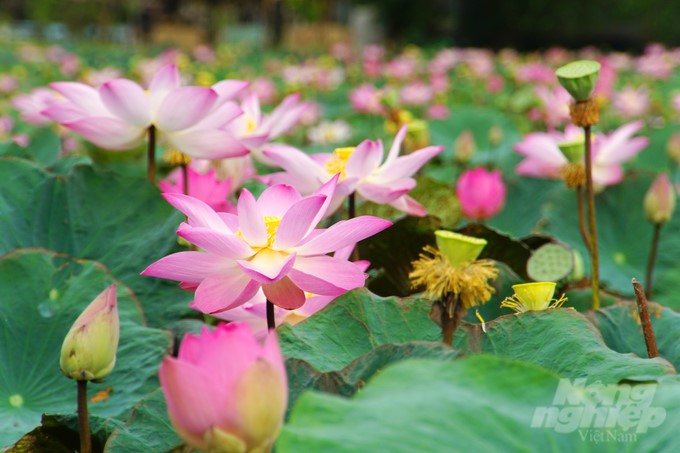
(660, 200)
(481, 193)
(89, 349)
(226, 392)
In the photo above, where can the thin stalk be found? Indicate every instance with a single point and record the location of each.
(645, 320)
(271, 320)
(185, 178)
(652, 260)
(582, 217)
(83, 419)
(451, 316)
(590, 195)
(151, 156)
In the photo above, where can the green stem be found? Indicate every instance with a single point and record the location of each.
(590, 195)
(83, 419)
(151, 156)
(652, 260)
(185, 178)
(582, 217)
(271, 320)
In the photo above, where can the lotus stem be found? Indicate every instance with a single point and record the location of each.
(151, 156)
(590, 195)
(582, 217)
(271, 320)
(83, 418)
(652, 260)
(451, 316)
(185, 177)
(645, 320)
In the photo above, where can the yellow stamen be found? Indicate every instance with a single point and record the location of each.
(338, 161)
(469, 280)
(481, 320)
(251, 124)
(175, 157)
(574, 175)
(272, 223)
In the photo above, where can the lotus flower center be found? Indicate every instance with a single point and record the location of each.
(272, 223)
(338, 161)
(251, 124)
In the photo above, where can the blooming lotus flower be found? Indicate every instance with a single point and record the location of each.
(225, 391)
(204, 186)
(254, 312)
(481, 193)
(89, 349)
(367, 98)
(330, 132)
(119, 114)
(271, 243)
(555, 111)
(631, 102)
(364, 170)
(255, 129)
(32, 105)
(543, 158)
(416, 93)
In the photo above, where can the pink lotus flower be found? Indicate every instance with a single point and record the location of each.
(543, 158)
(254, 128)
(118, 115)
(481, 193)
(416, 93)
(555, 111)
(203, 186)
(225, 391)
(367, 98)
(32, 105)
(361, 170)
(254, 312)
(271, 243)
(631, 102)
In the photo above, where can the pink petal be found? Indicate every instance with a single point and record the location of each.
(607, 175)
(64, 113)
(538, 168)
(284, 294)
(365, 159)
(214, 242)
(184, 107)
(277, 200)
(406, 166)
(343, 234)
(220, 117)
(196, 401)
(108, 133)
(326, 275)
(396, 145)
(541, 147)
(190, 267)
(409, 206)
(83, 96)
(166, 80)
(301, 168)
(328, 189)
(199, 213)
(224, 291)
(298, 222)
(385, 193)
(251, 220)
(210, 144)
(268, 266)
(125, 99)
(229, 89)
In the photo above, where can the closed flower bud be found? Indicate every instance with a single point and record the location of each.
(660, 200)
(481, 193)
(464, 147)
(225, 391)
(89, 349)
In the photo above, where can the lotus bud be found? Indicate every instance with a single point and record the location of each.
(660, 200)
(89, 349)
(464, 147)
(579, 78)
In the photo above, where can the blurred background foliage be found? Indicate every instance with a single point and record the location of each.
(522, 24)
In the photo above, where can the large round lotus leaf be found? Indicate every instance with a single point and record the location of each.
(480, 403)
(354, 324)
(41, 295)
(561, 340)
(121, 222)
